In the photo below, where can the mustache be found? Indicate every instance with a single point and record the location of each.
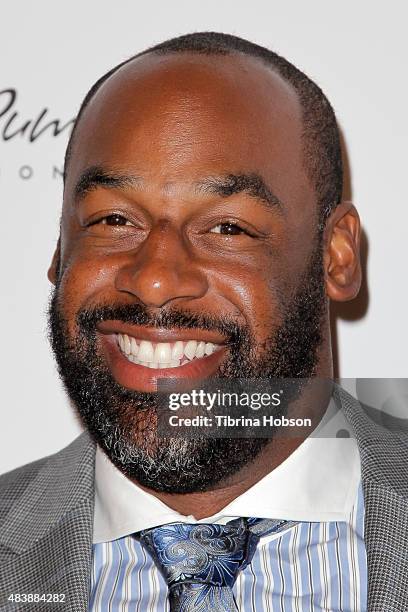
(138, 314)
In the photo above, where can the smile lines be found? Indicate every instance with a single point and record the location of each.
(161, 355)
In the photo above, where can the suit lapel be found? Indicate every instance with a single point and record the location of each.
(384, 468)
(46, 541)
(386, 538)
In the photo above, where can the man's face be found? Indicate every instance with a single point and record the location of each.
(188, 249)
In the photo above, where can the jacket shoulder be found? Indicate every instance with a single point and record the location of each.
(14, 483)
(48, 472)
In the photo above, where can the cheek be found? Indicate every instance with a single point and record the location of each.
(84, 283)
(254, 294)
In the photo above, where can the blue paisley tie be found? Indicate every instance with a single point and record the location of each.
(200, 562)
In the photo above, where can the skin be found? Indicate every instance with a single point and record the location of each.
(175, 120)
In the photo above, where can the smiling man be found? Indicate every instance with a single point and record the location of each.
(203, 235)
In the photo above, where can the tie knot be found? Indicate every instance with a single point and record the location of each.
(201, 553)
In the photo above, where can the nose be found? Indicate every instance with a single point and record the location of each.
(162, 270)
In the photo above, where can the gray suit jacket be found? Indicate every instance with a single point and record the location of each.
(46, 518)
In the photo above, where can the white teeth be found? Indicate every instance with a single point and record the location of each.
(209, 348)
(146, 352)
(190, 349)
(200, 350)
(127, 344)
(162, 352)
(177, 350)
(133, 347)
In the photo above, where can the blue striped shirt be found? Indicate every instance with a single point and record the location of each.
(310, 566)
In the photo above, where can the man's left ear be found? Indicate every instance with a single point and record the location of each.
(342, 254)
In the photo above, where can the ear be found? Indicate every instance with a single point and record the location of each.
(342, 255)
(53, 270)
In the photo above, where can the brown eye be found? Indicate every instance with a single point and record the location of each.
(227, 229)
(115, 220)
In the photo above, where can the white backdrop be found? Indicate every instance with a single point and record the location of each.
(51, 52)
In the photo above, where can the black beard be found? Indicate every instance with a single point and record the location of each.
(123, 422)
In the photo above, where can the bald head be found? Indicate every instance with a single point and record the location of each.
(200, 118)
(321, 145)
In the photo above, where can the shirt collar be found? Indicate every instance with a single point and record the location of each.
(317, 482)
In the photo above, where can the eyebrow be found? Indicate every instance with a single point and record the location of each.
(96, 176)
(252, 183)
(225, 186)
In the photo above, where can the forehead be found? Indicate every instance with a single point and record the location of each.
(178, 117)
